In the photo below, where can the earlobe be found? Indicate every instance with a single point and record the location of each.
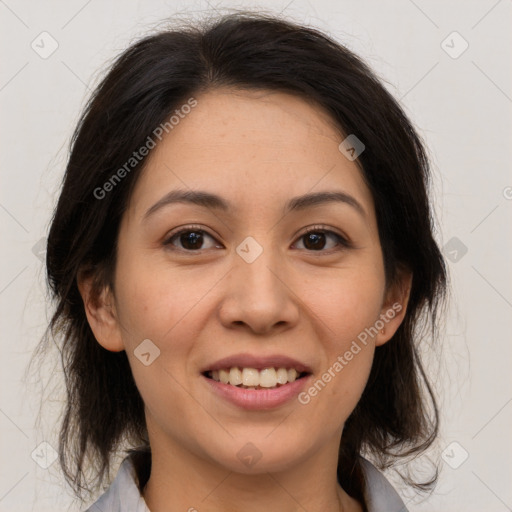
(394, 307)
(100, 313)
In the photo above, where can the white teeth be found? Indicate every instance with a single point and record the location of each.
(235, 376)
(252, 378)
(282, 376)
(268, 378)
(292, 374)
(224, 376)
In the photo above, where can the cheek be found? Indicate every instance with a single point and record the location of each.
(167, 312)
(337, 388)
(167, 308)
(348, 307)
(347, 302)
(154, 301)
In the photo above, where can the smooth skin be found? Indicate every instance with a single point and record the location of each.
(199, 301)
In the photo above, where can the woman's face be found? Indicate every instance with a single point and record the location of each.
(246, 283)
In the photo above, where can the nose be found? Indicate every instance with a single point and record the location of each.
(259, 295)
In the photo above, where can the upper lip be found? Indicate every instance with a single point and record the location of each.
(258, 362)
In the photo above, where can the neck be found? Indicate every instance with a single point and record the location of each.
(180, 480)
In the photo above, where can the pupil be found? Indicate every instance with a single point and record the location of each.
(315, 238)
(192, 237)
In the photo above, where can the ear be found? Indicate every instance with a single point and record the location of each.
(100, 312)
(394, 306)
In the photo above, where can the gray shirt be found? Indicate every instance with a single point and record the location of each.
(123, 494)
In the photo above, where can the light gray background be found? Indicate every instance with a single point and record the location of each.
(462, 107)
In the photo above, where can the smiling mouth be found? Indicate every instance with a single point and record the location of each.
(252, 378)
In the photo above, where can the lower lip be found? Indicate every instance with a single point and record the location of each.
(256, 399)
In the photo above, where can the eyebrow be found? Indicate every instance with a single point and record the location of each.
(215, 202)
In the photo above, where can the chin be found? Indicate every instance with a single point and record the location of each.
(252, 455)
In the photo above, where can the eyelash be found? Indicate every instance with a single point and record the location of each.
(343, 242)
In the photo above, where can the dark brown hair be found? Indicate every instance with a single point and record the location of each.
(397, 414)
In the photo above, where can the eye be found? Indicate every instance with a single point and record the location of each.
(315, 239)
(191, 239)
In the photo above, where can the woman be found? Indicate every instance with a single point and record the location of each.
(242, 254)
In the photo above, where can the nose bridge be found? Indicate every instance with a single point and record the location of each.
(259, 265)
(257, 293)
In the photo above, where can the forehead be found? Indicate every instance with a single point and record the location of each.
(254, 146)
(263, 122)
